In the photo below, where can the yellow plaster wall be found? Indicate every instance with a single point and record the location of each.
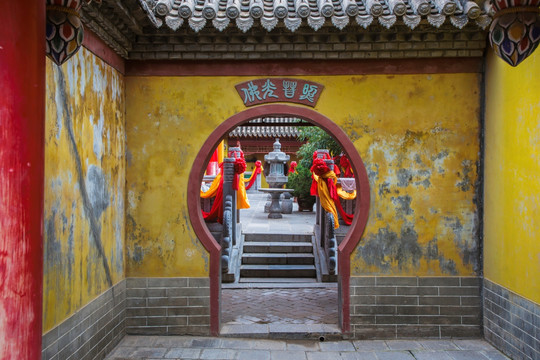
(512, 176)
(84, 184)
(418, 136)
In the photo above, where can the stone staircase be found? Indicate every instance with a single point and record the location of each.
(278, 256)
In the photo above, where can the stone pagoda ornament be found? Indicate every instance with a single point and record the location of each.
(275, 171)
(64, 30)
(515, 31)
(277, 160)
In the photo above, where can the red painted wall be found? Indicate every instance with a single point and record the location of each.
(22, 95)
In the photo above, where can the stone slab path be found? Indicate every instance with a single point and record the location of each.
(255, 220)
(279, 306)
(185, 347)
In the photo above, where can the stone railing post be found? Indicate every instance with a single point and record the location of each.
(228, 177)
(226, 238)
(330, 244)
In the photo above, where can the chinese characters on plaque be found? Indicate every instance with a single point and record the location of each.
(260, 91)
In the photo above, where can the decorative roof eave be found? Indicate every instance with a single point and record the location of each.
(270, 128)
(292, 13)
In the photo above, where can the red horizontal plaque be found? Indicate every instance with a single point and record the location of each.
(270, 90)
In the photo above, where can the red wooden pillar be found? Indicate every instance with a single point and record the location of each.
(22, 121)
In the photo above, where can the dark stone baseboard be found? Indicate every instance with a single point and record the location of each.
(92, 332)
(392, 307)
(511, 322)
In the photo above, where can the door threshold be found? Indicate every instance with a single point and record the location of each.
(277, 283)
(319, 332)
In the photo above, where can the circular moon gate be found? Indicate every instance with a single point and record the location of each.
(345, 248)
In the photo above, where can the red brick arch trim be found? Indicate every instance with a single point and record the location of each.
(346, 247)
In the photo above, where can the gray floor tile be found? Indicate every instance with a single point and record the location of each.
(404, 345)
(218, 354)
(148, 352)
(287, 355)
(267, 344)
(238, 344)
(363, 355)
(122, 351)
(181, 353)
(473, 344)
(303, 345)
(438, 344)
(253, 355)
(337, 346)
(394, 355)
(322, 355)
(466, 355)
(430, 355)
(369, 345)
(495, 355)
(173, 341)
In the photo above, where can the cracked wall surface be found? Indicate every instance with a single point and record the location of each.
(84, 184)
(418, 136)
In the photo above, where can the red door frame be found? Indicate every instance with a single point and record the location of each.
(345, 248)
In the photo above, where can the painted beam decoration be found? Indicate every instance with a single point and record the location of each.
(515, 31)
(271, 90)
(64, 30)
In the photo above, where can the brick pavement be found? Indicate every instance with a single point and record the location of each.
(185, 347)
(279, 306)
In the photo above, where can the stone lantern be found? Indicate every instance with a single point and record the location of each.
(276, 161)
(276, 176)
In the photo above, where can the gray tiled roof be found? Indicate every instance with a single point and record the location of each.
(244, 13)
(274, 129)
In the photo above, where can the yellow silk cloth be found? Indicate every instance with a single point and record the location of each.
(345, 195)
(241, 195)
(211, 192)
(253, 173)
(221, 152)
(324, 194)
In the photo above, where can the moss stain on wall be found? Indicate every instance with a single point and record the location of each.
(417, 134)
(84, 184)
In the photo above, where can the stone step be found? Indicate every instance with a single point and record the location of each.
(280, 271)
(277, 237)
(269, 283)
(278, 247)
(278, 259)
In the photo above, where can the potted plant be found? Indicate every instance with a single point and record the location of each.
(300, 181)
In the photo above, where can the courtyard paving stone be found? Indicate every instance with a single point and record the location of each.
(210, 348)
(337, 346)
(183, 354)
(254, 355)
(467, 355)
(430, 355)
(404, 345)
(394, 355)
(358, 355)
(438, 344)
(370, 345)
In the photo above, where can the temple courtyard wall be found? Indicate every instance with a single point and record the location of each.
(444, 252)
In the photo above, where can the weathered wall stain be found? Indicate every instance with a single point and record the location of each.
(420, 150)
(96, 190)
(84, 184)
(465, 183)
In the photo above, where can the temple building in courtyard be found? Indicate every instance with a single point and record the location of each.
(112, 109)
